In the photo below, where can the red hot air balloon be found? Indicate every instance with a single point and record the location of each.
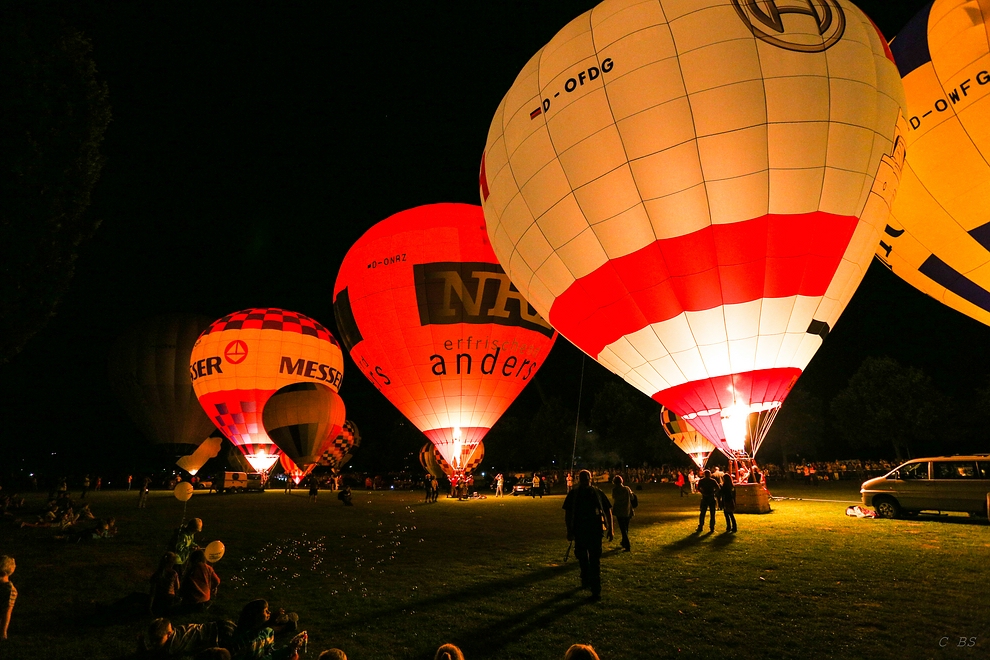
(432, 320)
(242, 359)
(691, 192)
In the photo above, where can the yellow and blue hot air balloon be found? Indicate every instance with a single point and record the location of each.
(938, 236)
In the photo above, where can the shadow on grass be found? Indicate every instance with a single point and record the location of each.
(483, 641)
(486, 641)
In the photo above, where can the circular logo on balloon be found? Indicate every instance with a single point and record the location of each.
(767, 22)
(236, 352)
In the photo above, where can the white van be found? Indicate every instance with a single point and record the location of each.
(944, 483)
(239, 482)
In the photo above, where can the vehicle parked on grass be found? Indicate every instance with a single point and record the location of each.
(241, 482)
(943, 483)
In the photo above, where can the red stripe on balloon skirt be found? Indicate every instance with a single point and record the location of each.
(774, 256)
(721, 392)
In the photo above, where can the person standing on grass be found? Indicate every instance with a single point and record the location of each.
(143, 496)
(499, 483)
(588, 515)
(728, 502)
(681, 482)
(85, 488)
(314, 489)
(622, 508)
(708, 487)
(8, 593)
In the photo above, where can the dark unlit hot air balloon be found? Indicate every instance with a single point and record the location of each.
(149, 374)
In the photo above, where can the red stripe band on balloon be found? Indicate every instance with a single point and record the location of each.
(721, 392)
(773, 256)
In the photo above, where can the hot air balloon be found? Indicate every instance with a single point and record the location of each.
(242, 359)
(149, 373)
(690, 192)
(340, 450)
(196, 460)
(686, 437)
(437, 465)
(293, 471)
(432, 320)
(302, 419)
(938, 237)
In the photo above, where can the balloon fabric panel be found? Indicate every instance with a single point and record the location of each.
(938, 238)
(692, 199)
(435, 323)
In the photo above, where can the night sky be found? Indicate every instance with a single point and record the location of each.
(253, 143)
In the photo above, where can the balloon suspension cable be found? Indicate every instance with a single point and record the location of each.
(577, 420)
(760, 428)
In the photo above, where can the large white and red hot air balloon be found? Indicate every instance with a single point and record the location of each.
(690, 192)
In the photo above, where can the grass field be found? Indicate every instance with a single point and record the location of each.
(394, 578)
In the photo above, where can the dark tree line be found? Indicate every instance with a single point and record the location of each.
(55, 112)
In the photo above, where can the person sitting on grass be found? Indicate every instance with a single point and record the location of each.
(346, 496)
(448, 652)
(164, 594)
(184, 540)
(199, 585)
(8, 594)
(333, 654)
(162, 641)
(581, 652)
(255, 636)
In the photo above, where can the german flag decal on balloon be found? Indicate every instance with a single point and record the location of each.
(432, 320)
(701, 194)
(242, 359)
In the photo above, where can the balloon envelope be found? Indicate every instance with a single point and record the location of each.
(196, 460)
(242, 359)
(686, 437)
(341, 449)
(431, 319)
(938, 238)
(149, 374)
(691, 192)
(303, 419)
(434, 463)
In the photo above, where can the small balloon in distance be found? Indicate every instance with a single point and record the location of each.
(183, 491)
(214, 552)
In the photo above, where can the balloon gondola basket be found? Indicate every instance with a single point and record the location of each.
(752, 498)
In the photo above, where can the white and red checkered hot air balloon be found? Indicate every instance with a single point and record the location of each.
(690, 191)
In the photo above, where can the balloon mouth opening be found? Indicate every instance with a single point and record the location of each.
(262, 461)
